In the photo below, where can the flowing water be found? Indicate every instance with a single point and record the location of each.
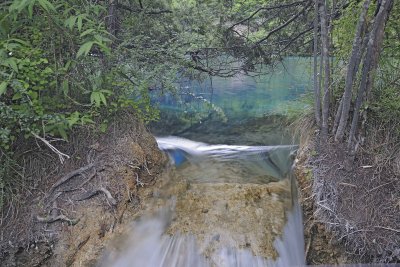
(231, 199)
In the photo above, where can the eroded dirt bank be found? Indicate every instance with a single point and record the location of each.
(65, 214)
(350, 210)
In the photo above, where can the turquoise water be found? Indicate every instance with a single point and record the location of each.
(243, 95)
(237, 110)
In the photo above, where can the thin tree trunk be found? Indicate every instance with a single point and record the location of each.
(352, 68)
(325, 56)
(337, 116)
(317, 90)
(369, 66)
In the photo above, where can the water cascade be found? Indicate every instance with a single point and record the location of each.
(218, 205)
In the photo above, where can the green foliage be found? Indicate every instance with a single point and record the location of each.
(344, 29)
(7, 171)
(385, 100)
(56, 70)
(386, 106)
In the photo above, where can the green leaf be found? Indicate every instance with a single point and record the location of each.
(70, 22)
(34, 95)
(62, 132)
(73, 119)
(30, 9)
(89, 31)
(104, 48)
(67, 65)
(95, 98)
(79, 23)
(19, 41)
(65, 87)
(19, 5)
(3, 87)
(98, 37)
(109, 92)
(103, 98)
(46, 5)
(17, 96)
(103, 127)
(12, 63)
(86, 120)
(84, 49)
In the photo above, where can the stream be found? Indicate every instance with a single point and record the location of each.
(228, 196)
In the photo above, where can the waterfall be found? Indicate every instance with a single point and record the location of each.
(198, 225)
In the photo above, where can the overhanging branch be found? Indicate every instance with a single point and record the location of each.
(267, 9)
(280, 27)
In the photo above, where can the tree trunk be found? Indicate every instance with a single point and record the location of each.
(325, 61)
(369, 65)
(352, 68)
(317, 90)
(111, 19)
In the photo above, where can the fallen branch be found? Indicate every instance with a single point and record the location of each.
(60, 155)
(51, 219)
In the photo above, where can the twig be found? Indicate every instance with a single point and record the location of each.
(147, 169)
(379, 186)
(60, 155)
(51, 219)
(342, 183)
(138, 182)
(362, 230)
(387, 228)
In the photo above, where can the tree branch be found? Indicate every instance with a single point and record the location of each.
(281, 26)
(296, 37)
(267, 9)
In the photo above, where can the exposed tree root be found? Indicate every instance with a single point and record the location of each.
(91, 176)
(70, 175)
(92, 193)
